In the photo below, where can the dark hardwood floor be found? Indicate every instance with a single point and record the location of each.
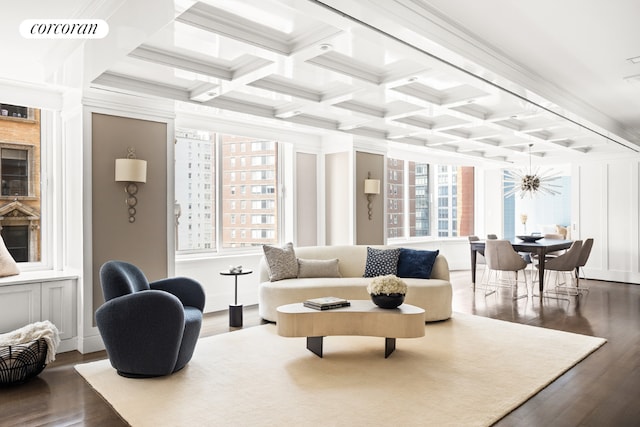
(602, 390)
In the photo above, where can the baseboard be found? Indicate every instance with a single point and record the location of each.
(90, 344)
(70, 344)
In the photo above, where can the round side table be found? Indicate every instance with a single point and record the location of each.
(235, 310)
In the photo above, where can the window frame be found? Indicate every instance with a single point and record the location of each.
(50, 207)
(436, 164)
(239, 152)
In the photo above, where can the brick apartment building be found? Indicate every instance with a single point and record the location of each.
(20, 196)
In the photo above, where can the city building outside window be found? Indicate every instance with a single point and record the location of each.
(20, 171)
(411, 192)
(249, 184)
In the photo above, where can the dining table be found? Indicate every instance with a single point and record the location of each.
(540, 247)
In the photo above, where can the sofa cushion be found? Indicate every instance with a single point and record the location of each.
(381, 262)
(282, 262)
(416, 264)
(318, 268)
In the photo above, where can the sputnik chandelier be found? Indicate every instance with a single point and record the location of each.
(530, 183)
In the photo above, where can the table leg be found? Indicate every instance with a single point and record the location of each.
(314, 345)
(235, 300)
(235, 315)
(542, 254)
(474, 256)
(389, 346)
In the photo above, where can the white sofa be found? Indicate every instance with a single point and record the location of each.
(434, 294)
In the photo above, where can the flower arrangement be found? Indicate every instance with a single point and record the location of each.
(524, 218)
(388, 284)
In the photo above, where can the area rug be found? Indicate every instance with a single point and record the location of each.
(467, 371)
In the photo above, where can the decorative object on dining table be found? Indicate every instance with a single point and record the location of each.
(531, 182)
(530, 238)
(387, 291)
(523, 220)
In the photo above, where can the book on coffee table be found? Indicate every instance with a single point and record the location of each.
(326, 303)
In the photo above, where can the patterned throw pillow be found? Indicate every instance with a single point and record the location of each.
(381, 262)
(416, 264)
(282, 262)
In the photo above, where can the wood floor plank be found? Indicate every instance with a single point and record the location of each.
(603, 390)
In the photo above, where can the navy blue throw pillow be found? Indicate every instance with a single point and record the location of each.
(381, 262)
(416, 264)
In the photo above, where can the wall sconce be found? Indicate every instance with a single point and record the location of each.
(371, 187)
(131, 171)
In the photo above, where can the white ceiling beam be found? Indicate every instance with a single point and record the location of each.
(352, 123)
(343, 64)
(182, 62)
(289, 110)
(128, 84)
(204, 92)
(287, 87)
(215, 20)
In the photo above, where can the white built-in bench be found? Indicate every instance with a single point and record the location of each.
(34, 296)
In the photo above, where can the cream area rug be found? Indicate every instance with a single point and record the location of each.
(467, 371)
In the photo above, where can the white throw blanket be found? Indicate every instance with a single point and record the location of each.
(34, 331)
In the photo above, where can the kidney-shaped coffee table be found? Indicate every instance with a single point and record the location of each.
(361, 318)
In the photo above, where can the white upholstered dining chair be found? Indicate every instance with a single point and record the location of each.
(480, 259)
(563, 265)
(582, 261)
(503, 265)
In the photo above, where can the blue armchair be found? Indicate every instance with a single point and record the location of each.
(148, 329)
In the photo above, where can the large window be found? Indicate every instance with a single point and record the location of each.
(226, 191)
(20, 193)
(429, 199)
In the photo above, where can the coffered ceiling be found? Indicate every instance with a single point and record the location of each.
(303, 65)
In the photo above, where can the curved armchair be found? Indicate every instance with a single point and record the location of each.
(148, 329)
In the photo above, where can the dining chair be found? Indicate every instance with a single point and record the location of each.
(492, 236)
(552, 236)
(582, 260)
(564, 264)
(481, 258)
(502, 259)
(475, 239)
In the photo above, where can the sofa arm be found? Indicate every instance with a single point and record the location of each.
(440, 269)
(189, 291)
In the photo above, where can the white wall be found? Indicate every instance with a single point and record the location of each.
(219, 289)
(606, 206)
(492, 196)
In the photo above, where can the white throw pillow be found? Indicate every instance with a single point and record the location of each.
(8, 266)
